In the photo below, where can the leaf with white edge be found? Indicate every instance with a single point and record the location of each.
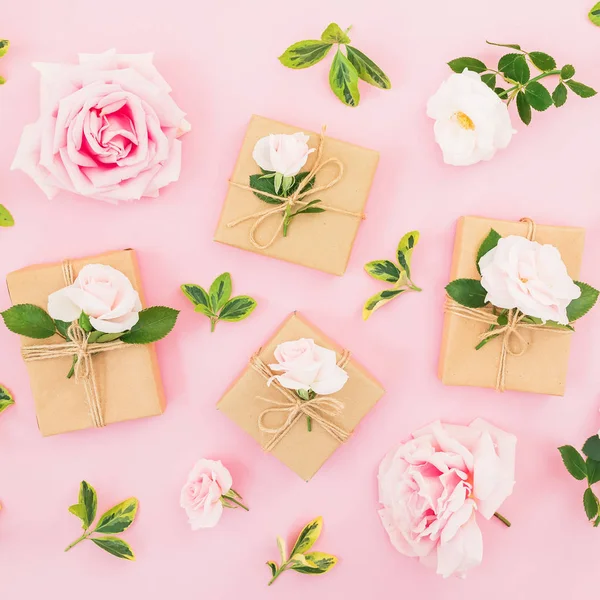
(513, 46)
(343, 80)
(581, 306)
(594, 14)
(367, 70)
(538, 96)
(515, 67)
(4, 46)
(559, 95)
(405, 249)
(273, 567)
(6, 219)
(334, 34)
(6, 398)
(154, 324)
(591, 448)
(308, 536)
(490, 80)
(489, 243)
(30, 321)
(196, 294)
(299, 560)
(220, 292)
(282, 549)
(593, 470)
(378, 300)
(458, 65)
(89, 500)
(384, 270)
(574, 462)
(304, 54)
(590, 504)
(318, 563)
(237, 309)
(115, 546)
(79, 511)
(118, 518)
(467, 292)
(583, 91)
(567, 72)
(543, 61)
(524, 108)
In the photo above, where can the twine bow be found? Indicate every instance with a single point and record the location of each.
(83, 351)
(295, 199)
(321, 409)
(510, 332)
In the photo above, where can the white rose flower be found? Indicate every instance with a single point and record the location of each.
(281, 153)
(529, 276)
(471, 121)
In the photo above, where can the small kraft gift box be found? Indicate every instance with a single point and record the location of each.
(276, 417)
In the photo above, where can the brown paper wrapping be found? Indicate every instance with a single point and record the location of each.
(302, 451)
(128, 378)
(543, 367)
(320, 241)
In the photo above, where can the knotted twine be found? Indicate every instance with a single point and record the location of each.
(295, 199)
(508, 332)
(82, 350)
(321, 409)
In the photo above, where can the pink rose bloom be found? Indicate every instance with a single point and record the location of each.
(529, 276)
(306, 366)
(282, 153)
(201, 495)
(432, 487)
(108, 129)
(104, 294)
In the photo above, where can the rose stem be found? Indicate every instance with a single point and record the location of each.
(236, 502)
(308, 423)
(503, 519)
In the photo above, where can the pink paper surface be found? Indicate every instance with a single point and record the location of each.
(221, 60)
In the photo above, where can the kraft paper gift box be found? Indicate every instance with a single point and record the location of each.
(302, 451)
(320, 241)
(543, 366)
(128, 379)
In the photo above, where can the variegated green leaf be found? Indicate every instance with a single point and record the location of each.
(4, 46)
(282, 549)
(220, 292)
(6, 398)
(378, 300)
(308, 536)
(384, 270)
(118, 518)
(343, 80)
(367, 70)
(405, 250)
(79, 511)
(6, 219)
(89, 501)
(273, 567)
(305, 54)
(199, 298)
(115, 546)
(318, 563)
(237, 308)
(334, 34)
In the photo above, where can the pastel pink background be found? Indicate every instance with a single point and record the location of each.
(221, 59)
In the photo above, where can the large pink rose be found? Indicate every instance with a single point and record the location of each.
(108, 129)
(432, 487)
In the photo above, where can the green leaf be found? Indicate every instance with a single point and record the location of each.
(513, 46)
(384, 270)
(559, 95)
(4, 46)
(237, 309)
(567, 72)
(267, 184)
(378, 300)
(155, 323)
(104, 338)
(305, 395)
(334, 34)
(220, 292)
(515, 67)
(593, 470)
(308, 536)
(538, 321)
(490, 242)
(89, 500)
(405, 250)
(574, 462)
(273, 567)
(458, 65)
(538, 96)
(580, 306)
(115, 546)
(118, 518)
(501, 92)
(2, 80)
(29, 320)
(304, 54)
(524, 108)
(6, 398)
(343, 80)
(199, 298)
(322, 563)
(580, 89)
(6, 219)
(594, 14)
(543, 61)
(282, 550)
(62, 328)
(84, 323)
(591, 448)
(590, 504)
(79, 511)
(367, 70)
(467, 292)
(490, 80)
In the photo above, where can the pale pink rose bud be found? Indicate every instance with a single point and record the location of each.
(281, 153)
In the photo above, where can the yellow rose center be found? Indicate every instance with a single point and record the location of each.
(464, 121)
(524, 279)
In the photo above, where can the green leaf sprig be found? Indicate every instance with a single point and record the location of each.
(34, 322)
(217, 303)
(594, 14)
(346, 69)
(397, 273)
(514, 69)
(4, 46)
(299, 559)
(587, 468)
(470, 293)
(115, 520)
(6, 399)
(6, 219)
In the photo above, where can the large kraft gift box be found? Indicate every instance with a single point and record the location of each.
(128, 379)
(320, 241)
(302, 451)
(543, 367)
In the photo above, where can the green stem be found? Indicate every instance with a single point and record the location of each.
(72, 369)
(279, 572)
(520, 86)
(503, 519)
(213, 322)
(232, 499)
(80, 539)
(309, 423)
